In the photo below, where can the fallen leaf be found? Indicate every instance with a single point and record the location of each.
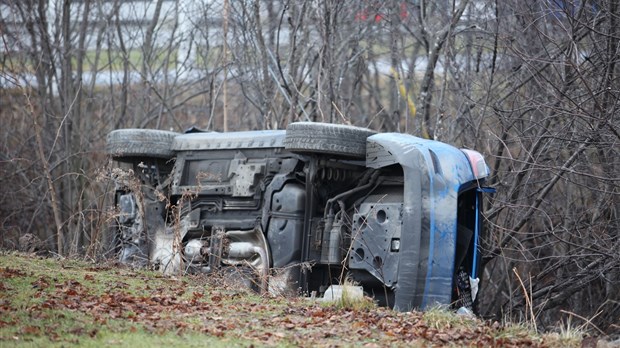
(31, 330)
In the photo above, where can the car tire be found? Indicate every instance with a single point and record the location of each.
(327, 138)
(140, 143)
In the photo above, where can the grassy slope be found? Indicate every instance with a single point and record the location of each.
(47, 302)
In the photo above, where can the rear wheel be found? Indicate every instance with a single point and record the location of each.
(140, 143)
(327, 138)
(142, 158)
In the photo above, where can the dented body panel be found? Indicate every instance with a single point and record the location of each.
(434, 174)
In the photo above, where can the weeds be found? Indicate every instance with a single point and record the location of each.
(351, 297)
(441, 316)
(568, 335)
(528, 302)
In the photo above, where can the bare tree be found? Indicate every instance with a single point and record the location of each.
(547, 112)
(533, 84)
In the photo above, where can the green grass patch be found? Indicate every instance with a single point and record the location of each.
(61, 302)
(112, 60)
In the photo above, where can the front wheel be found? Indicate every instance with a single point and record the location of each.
(327, 138)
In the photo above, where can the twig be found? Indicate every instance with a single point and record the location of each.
(588, 321)
(528, 302)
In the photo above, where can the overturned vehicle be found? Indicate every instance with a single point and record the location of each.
(296, 210)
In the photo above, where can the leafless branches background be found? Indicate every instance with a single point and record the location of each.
(531, 84)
